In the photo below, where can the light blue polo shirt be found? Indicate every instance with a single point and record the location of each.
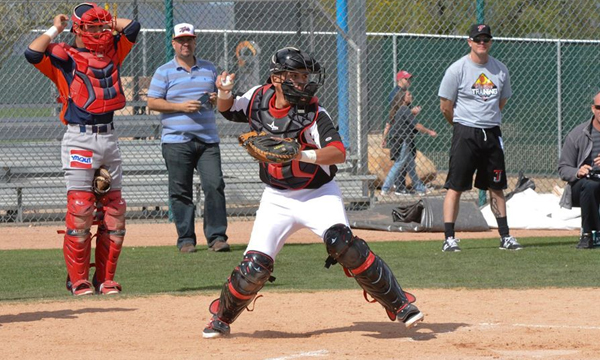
(175, 84)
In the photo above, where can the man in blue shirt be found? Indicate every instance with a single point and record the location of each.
(183, 91)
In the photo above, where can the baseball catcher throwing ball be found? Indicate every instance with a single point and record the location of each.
(269, 148)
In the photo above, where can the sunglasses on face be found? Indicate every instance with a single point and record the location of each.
(483, 39)
(185, 39)
(597, 107)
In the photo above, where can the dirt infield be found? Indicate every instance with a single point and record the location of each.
(153, 234)
(459, 324)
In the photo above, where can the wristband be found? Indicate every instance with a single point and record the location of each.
(52, 32)
(308, 156)
(225, 95)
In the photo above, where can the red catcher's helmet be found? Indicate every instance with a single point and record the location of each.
(90, 14)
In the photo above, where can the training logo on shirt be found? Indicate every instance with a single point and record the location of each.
(484, 87)
(80, 159)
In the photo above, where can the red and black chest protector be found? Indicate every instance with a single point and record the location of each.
(96, 85)
(295, 174)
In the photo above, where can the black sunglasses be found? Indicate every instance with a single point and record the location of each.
(483, 39)
(597, 107)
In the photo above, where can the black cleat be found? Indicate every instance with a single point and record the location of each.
(410, 315)
(216, 328)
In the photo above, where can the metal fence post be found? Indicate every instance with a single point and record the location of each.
(342, 71)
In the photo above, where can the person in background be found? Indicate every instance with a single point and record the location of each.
(403, 82)
(401, 132)
(579, 165)
(183, 91)
(472, 94)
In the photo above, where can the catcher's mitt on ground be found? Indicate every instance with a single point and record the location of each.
(102, 180)
(269, 148)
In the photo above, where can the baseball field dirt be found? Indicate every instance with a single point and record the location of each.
(459, 324)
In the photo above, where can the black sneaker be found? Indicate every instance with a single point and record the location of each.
(216, 328)
(451, 245)
(509, 243)
(585, 241)
(410, 315)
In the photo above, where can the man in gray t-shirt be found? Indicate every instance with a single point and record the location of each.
(472, 94)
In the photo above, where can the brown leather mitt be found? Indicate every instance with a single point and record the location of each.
(102, 180)
(269, 148)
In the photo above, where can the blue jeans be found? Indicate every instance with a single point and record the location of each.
(406, 161)
(400, 182)
(181, 160)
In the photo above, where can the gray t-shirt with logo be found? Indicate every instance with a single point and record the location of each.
(476, 91)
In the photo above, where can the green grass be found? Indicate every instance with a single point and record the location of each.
(545, 262)
(43, 110)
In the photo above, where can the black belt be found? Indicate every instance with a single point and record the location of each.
(99, 129)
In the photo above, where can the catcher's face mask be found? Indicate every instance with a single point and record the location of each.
(94, 25)
(299, 87)
(300, 75)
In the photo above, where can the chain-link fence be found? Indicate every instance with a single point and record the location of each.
(547, 45)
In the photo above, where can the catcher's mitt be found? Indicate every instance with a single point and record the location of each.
(102, 180)
(269, 148)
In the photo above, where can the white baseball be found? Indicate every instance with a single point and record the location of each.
(227, 83)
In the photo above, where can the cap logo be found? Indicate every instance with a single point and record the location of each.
(480, 28)
(184, 29)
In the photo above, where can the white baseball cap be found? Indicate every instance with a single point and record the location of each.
(184, 29)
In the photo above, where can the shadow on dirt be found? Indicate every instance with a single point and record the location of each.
(422, 332)
(57, 314)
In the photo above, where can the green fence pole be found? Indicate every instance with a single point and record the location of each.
(169, 29)
(480, 11)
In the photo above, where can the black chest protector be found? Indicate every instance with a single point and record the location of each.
(295, 174)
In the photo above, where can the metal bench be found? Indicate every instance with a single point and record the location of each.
(32, 185)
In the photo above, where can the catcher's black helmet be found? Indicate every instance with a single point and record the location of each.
(290, 59)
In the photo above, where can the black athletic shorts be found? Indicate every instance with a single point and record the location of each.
(475, 149)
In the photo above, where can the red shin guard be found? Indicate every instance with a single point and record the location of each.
(77, 241)
(107, 256)
(77, 258)
(109, 240)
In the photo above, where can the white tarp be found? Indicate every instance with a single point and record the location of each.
(530, 210)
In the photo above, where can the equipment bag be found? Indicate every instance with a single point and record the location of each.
(408, 213)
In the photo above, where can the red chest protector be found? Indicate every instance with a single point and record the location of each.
(96, 85)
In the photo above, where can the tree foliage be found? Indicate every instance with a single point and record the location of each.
(20, 19)
(576, 19)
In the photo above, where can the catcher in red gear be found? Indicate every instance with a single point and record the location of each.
(89, 85)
